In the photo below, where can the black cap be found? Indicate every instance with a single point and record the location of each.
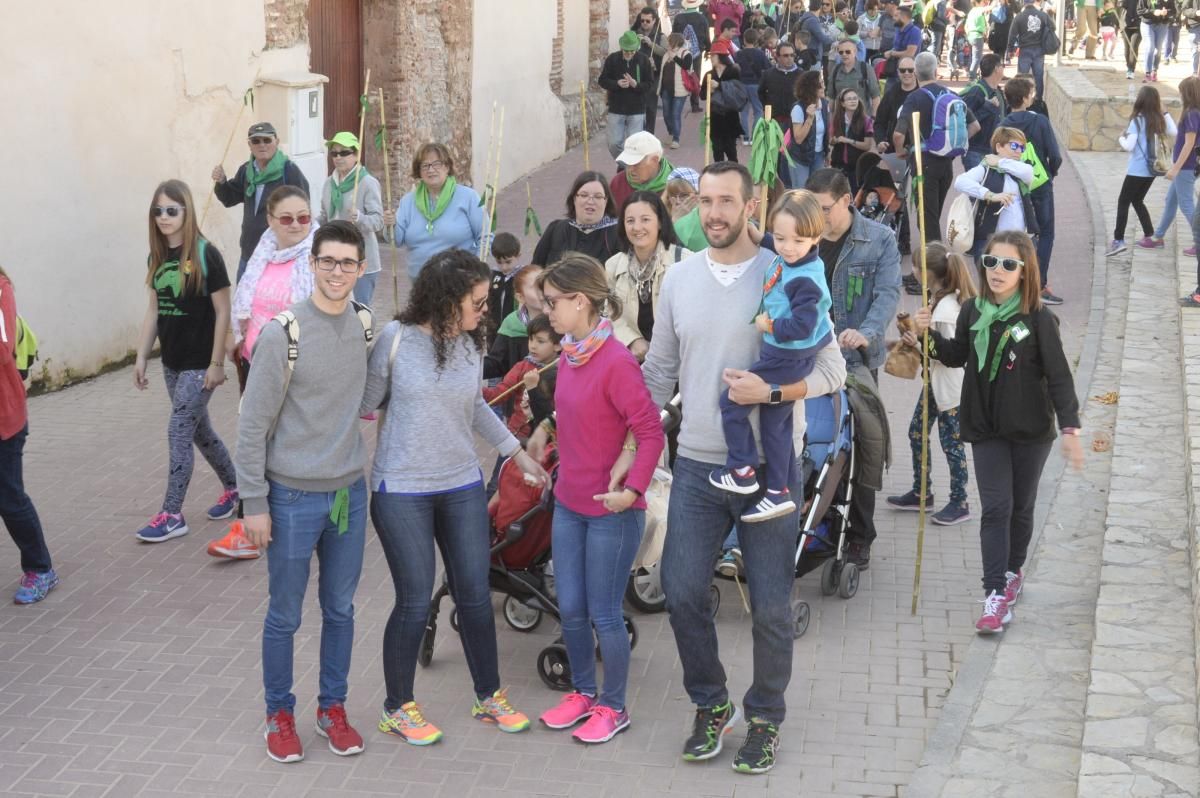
(262, 129)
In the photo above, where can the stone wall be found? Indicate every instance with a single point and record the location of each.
(286, 23)
(1089, 109)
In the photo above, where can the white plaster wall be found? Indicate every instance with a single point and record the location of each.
(618, 22)
(575, 45)
(511, 66)
(104, 101)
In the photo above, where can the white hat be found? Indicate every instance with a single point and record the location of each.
(692, 3)
(638, 147)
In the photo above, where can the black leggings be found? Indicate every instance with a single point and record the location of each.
(1133, 192)
(1133, 39)
(1007, 475)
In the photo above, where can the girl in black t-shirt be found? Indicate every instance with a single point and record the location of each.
(188, 312)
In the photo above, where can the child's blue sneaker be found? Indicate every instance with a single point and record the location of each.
(728, 480)
(35, 586)
(771, 505)
(225, 505)
(163, 526)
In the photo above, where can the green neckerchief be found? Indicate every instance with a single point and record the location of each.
(989, 313)
(431, 214)
(656, 183)
(343, 188)
(273, 171)
(340, 513)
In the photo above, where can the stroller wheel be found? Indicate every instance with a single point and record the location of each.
(644, 592)
(714, 593)
(829, 577)
(554, 668)
(800, 617)
(425, 652)
(454, 619)
(520, 617)
(848, 584)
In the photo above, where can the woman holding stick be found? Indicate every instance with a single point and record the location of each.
(352, 194)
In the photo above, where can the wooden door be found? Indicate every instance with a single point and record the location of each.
(335, 35)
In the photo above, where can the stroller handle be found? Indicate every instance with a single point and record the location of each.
(670, 415)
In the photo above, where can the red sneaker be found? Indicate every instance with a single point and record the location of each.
(995, 614)
(1013, 585)
(332, 725)
(283, 744)
(235, 545)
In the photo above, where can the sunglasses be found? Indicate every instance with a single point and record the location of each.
(287, 220)
(328, 264)
(342, 153)
(991, 262)
(169, 210)
(846, 52)
(261, 140)
(1016, 146)
(903, 71)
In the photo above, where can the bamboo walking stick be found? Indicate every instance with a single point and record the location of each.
(708, 120)
(512, 388)
(387, 183)
(491, 215)
(247, 97)
(364, 103)
(762, 210)
(487, 171)
(920, 183)
(587, 161)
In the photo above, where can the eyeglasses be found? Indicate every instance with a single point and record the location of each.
(347, 266)
(991, 262)
(342, 153)
(593, 197)
(846, 52)
(1016, 146)
(904, 71)
(479, 305)
(261, 140)
(169, 210)
(432, 166)
(786, 55)
(551, 301)
(287, 220)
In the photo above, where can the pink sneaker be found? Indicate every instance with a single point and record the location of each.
(1013, 585)
(1151, 243)
(573, 708)
(604, 724)
(1190, 251)
(995, 614)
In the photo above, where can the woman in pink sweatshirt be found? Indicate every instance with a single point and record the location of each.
(603, 409)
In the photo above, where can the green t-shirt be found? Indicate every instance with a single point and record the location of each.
(977, 23)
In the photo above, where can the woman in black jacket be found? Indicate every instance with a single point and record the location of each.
(590, 226)
(1017, 381)
(729, 96)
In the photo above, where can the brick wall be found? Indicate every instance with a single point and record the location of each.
(287, 23)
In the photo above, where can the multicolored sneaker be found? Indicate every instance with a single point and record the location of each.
(1150, 242)
(573, 708)
(496, 709)
(235, 545)
(225, 505)
(995, 614)
(35, 586)
(333, 726)
(409, 724)
(773, 504)
(728, 480)
(163, 526)
(757, 754)
(283, 744)
(1013, 585)
(709, 730)
(604, 724)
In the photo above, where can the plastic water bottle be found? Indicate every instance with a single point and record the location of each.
(1132, 93)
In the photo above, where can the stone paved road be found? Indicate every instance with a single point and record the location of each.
(139, 675)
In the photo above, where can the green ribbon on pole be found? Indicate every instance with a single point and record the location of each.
(532, 221)
(765, 146)
(703, 129)
(379, 139)
(365, 102)
(340, 513)
(248, 98)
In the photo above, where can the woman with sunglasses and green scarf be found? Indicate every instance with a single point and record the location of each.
(351, 193)
(438, 214)
(1017, 382)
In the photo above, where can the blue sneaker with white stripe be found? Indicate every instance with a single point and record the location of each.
(728, 480)
(163, 526)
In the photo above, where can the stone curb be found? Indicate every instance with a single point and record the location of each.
(946, 738)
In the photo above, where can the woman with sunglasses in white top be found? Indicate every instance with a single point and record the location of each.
(188, 312)
(1001, 184)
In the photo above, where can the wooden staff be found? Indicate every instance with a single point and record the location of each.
(921, 496)
(587, 161)
(487, 233)
(487, 171)
(762, 211)
(362, 118)
(229, 143)
(387, 184)
(509, 390)
(708, 120)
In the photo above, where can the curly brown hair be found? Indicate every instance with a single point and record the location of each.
(437, 296)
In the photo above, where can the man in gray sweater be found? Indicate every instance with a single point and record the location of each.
(300, 459)
(703, 339)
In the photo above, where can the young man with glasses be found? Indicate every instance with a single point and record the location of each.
(300, 459)
(267, 170)
(850, 73)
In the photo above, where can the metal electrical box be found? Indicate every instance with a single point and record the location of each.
(295, 104)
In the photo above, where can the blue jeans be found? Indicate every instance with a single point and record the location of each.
(592, 559)
(300, 525)
(752, 111)
(976, 55)
(798, 173)
(16, 508)
(1181, 197)
(364, 289)
(408, 527)
(672, 111)
(699, 517)
(1031, 60)
(1043, 209)
(1154, 37)
(621, 127)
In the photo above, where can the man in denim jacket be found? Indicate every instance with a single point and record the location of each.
(862, 266)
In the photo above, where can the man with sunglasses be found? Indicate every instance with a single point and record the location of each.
(654, 47)
(850, 73)
(886, 115)
(300, 459)
(267, 170)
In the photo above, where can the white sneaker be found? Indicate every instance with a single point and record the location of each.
(769, 507)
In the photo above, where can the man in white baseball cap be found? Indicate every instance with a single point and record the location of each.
(645, 168)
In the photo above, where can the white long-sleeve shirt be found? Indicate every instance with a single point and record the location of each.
(971, 184)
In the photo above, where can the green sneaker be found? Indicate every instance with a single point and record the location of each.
(757, 754)
(710, 727)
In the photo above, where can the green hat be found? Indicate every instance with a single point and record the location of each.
(630, 42)
(345, 138)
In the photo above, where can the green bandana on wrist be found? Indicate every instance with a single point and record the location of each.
(431, 214)
(989, 314)
(273, 171)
